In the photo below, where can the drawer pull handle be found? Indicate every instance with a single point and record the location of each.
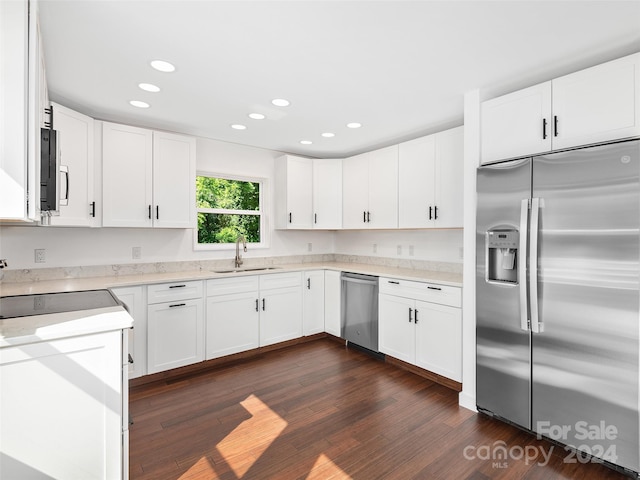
(394, 282)
(177, 286)
(434, 288)
(177, 305)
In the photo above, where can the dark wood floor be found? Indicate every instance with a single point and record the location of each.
(319, 411)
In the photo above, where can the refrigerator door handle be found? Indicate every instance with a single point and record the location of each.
(522, 265)
(536, 325)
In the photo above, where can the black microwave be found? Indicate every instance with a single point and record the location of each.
(49, 178)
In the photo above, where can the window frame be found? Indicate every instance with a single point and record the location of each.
(262, 212)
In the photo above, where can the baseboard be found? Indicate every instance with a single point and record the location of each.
(444, 381)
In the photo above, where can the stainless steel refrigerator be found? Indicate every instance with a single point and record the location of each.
(558, 297)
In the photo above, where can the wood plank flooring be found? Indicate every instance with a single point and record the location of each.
(321, 411)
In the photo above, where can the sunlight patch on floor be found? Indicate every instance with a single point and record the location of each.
(202, 468)
(324, 468)
(254, 434)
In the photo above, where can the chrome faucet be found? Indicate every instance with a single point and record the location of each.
(244, 247)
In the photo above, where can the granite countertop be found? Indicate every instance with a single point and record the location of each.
(113, 281)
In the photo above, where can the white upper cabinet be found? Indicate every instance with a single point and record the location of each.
(594, 105)
(174, 194)
(293, 195)
(75, 151)
(598, 104)
(430, 177)
(370, 189)
(449, 192)
(148, 178)
(517, 124)
(23, 98)
(327, 193)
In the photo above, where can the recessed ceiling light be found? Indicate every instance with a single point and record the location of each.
(306, 142)
(238, 126)
(280, 102)
(148, 87)
(256, 116)
(139, 104)
(328, 134)
(354, 125)
(163, 66)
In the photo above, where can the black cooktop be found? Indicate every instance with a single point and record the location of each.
(41, 304)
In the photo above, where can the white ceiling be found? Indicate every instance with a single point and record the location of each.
(400, 68)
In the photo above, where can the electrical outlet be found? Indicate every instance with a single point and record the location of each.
(399, 249)
(309, 247)
(411, 250)
(136, 253)
(375, 248)
(40, 255)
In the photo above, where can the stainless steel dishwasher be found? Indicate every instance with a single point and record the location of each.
(359, 316)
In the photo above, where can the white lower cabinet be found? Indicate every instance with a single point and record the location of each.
(313, 302)
(134, 300)
(280, 307)
(247, 312)
(332, 304)
(421, 324)
(175, 325)
(233, 316)
(61, 414)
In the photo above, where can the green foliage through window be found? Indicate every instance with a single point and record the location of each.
(226, 209)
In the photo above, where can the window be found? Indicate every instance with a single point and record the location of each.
(228, 208)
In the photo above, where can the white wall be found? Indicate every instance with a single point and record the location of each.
(105, 246)
(432, 245)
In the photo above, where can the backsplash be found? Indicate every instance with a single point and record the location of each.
(41, 274)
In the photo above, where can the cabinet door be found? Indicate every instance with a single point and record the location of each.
(383, 188)
(396, 330)
(332, 302)
(61, 408)
(133, 298)
(416, 193)
(75, 150)
(127, 154)
(598, 104)
(439, 339)
(280, 315)
(449, 176)
(327, 193)
(174, 180)
(232, 324)
(355, 191)
(517, 124)
(293, 195)
(313, 303)
(175, 335)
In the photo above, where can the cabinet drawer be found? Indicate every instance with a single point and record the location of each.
(169, 292)
(428, 292)
(280, 280)
(231, 285)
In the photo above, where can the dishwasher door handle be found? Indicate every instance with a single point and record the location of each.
(357, 280)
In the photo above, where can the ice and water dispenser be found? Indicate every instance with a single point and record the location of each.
(502, 255)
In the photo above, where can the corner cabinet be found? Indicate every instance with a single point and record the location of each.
(308, 193)
(148, 178)
(370, 190)
(421, 324)
(430, 172)
(594, 105)
(135, 302)
(75, 150)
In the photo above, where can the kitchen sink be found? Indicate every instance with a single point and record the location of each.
(248, 269)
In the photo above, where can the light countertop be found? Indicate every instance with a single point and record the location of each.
(113, 281)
